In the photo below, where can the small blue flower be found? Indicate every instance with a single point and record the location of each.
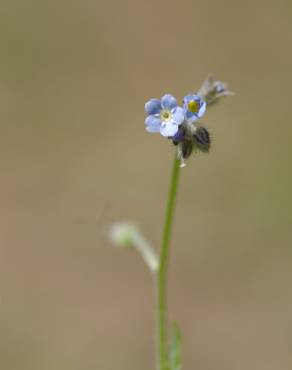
(164, 115)
(194, 107)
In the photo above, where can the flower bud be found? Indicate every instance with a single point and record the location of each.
(201, 139)
(211, 91)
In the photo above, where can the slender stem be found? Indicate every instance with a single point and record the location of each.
(162, 271)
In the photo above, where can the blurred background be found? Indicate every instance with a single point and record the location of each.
(75, 156)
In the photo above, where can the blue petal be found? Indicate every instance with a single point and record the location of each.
(169, 129)
(153, 124)
(202, 109)
(152, 129)
(189, 98)
(178, 116)
(168, 102)
(179, 136)
(191, 117)
(153, 106)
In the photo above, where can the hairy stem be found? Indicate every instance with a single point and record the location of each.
(162, 271)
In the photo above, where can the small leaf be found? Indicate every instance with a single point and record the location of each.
(175, 352)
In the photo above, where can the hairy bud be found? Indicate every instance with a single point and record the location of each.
(202, 139)
(212, 91)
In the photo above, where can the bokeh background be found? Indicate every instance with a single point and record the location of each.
(74, 77)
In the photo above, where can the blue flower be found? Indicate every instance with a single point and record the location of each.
(164, 115)
(194, 107)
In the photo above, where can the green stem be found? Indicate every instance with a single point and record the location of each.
(162, 271)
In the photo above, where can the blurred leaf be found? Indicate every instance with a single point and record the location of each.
(175, 352)
(126, 234)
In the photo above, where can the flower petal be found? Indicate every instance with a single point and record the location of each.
(168, 102)
(202, 109)
(178, 115)
(169, 129)
(179, 136)
(152, 129)
(153, 124)
(153, 106)
(191, 97)
(191, 117)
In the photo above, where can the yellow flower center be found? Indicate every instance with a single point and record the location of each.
(165, 115)
(193, 106)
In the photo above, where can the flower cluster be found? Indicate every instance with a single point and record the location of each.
(165, 116)
(180, 124)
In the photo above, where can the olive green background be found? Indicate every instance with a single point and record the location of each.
(74, 77)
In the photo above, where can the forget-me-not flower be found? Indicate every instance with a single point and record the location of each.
(164, 116)
(194, 107)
